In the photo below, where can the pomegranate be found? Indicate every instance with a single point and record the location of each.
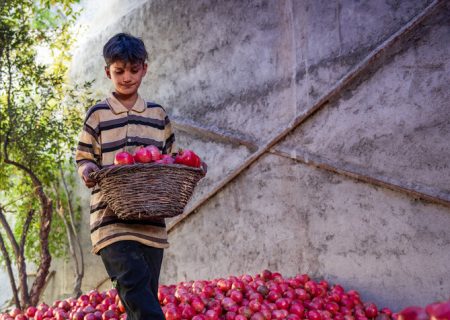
(121, 158)
(439, 311)
(154, 151)
(31, 311)
(188, 158)
(143, 155)
(413, 313)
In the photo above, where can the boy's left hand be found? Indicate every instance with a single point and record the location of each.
(88, 181)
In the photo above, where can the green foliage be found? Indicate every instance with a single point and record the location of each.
(40, 113)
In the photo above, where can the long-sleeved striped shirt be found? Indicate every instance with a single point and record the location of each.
(110, 128)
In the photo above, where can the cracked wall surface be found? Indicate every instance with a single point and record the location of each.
(247, 69)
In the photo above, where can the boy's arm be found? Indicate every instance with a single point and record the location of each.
(169, 137)
(88, 151)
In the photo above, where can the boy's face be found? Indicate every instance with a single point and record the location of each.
(126, 77)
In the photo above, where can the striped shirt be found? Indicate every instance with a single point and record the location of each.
(110, 128)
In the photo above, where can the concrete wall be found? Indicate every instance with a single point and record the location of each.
(5, 293)
(356, 214)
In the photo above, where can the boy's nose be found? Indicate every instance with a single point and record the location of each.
(126, 77)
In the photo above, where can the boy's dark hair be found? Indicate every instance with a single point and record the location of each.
(124, 47)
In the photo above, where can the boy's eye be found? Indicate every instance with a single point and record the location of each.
(122, 71)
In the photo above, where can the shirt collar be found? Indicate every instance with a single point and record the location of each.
(117, 107)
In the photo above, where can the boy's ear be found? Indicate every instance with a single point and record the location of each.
(108, 72)
(145, 66)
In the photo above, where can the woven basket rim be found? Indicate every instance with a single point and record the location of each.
(122, 169)
(166, 199)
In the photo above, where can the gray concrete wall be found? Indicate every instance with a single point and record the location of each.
(5, 293)
(355, 215)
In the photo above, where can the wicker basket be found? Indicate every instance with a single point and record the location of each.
(147, 190)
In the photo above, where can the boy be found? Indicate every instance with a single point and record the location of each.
(131, 251)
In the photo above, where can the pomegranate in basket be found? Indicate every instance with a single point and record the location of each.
(166, 159)
(188, 158)
(143, 155)
(123, 158)
(156, 154)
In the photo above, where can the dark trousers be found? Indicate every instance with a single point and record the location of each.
(134, 269)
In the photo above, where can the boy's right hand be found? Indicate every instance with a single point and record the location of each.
(90, 167)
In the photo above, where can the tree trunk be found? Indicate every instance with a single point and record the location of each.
(45, 220)
(12, 280)
(45, 257)
(20, 260)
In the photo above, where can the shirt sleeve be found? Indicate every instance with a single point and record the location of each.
(169, 137)
(88, 149)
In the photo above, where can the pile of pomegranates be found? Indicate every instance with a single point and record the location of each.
(265, 296)
(94, 305)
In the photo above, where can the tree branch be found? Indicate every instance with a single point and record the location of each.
(69, 201)
(9, 233)
(37, 183)
(20, 260)
(45, 258)
(74, 234)
(71, 239)
(12, 280)
(26, 227)
(16, 200)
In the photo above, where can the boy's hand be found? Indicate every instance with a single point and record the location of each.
(90, 167)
